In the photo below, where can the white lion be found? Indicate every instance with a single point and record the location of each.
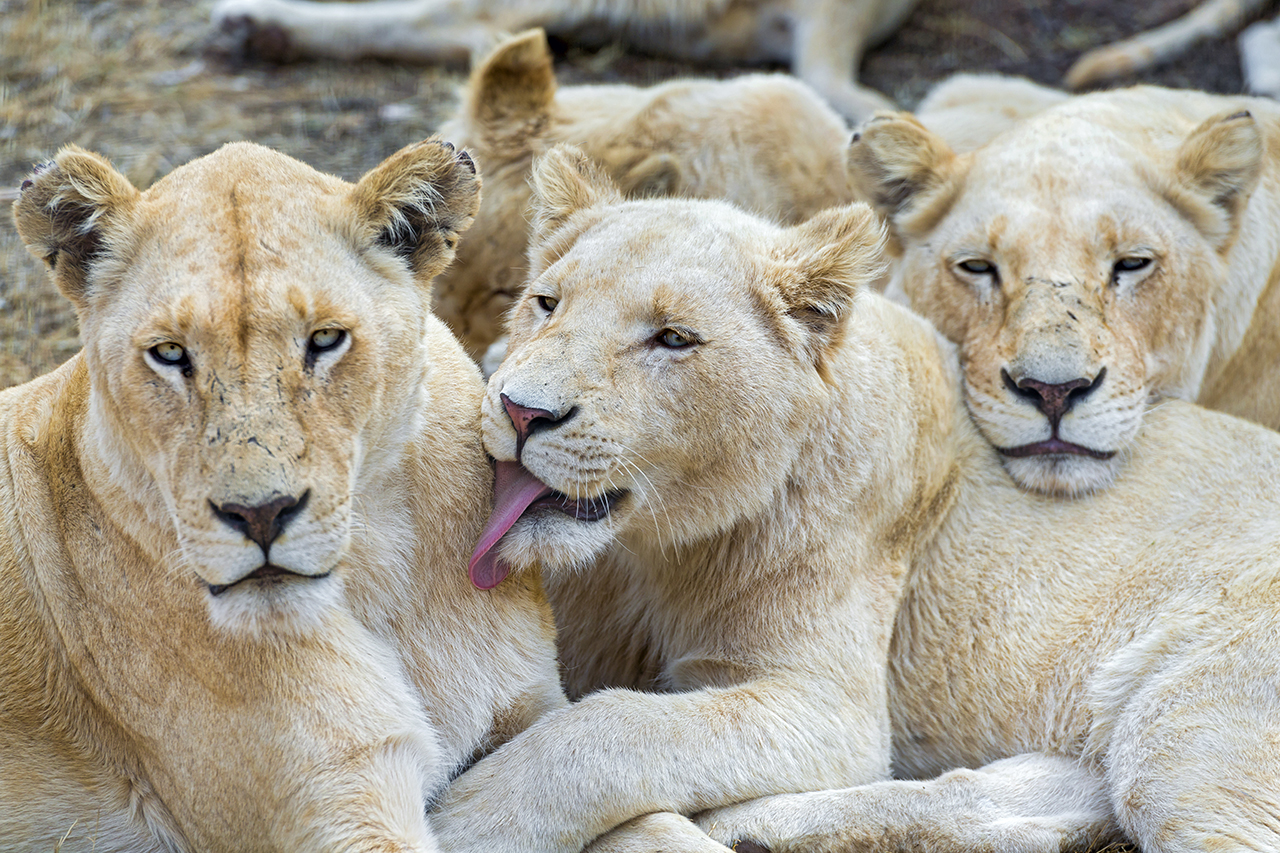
(1107, 251)
(234, 613)
(781, 554)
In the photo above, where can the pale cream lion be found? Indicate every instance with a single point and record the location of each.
(234, 612)
(822, 40)
(1112, 250)
(780, 553)
(763, 142)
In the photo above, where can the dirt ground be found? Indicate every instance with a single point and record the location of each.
(137, 80)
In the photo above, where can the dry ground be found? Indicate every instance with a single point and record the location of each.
(137, 81)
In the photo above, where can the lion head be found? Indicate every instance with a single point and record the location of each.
(1079, 260)
(253, 357)
(765, 142)
(635, 363)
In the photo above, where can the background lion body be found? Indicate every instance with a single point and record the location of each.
(284, 713)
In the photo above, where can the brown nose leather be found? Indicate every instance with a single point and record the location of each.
(262, 523)
(1055, 399)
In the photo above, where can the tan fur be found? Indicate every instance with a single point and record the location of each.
(764, 142)
(823, 40)
(1207, 20)
(809, 540)
(738, 602)
(319, 708)
(1180, 186)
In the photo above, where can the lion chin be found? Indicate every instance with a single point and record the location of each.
(1064, 474)
(273, 600)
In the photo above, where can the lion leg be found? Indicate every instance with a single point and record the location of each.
(1194, 758)
(1032, 803)
(1260, 57)
(830, 37)
(661, 832)
(428, 31)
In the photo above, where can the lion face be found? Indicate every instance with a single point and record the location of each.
(632, 406)
(253, 335)
(1080, 284)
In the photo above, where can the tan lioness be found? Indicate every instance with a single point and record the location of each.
(1112, 250)
(776, 544)
(234, 614)
(822, 40)
(763, 142)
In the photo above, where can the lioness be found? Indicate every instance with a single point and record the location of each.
(758, 498)
(823, 40)
(1113, 249)
(764, 142)
(233, 614)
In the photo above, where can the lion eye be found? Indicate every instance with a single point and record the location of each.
(1132, 264)
(170, 353)
(977, 266)
(672, 339)
(326, 339)
(548, 303)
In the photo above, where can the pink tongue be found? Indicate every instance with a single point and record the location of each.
(513, 491)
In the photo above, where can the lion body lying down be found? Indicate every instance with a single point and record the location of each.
(764, 142)
(783, 559)
(234, 614)
(822, 40)
(1107, 251)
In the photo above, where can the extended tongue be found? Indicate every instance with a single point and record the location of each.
(514, 489)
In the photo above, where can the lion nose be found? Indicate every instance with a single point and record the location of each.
(1054, 399)
(262, 523)
(528, 420)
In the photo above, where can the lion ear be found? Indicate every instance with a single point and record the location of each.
(418, 202)
(832, 255)
(565, 181)
(512, 88)
(894, 161)
(1220, 163)
(66, 211)
(655, 176)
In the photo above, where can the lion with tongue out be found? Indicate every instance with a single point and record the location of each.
(684, 454)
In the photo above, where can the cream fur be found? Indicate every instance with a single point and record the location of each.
(823, 40)
(320, 708)
(763, 142)
(1132, 232)
(812, 550)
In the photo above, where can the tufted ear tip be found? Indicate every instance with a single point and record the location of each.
(892, 158)
(63, 210)
(419, 201)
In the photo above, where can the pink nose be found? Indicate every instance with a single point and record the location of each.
(528, 420)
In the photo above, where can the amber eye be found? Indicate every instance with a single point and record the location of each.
(326, 339)
(170, 353)
(977, 266)
(671, 339)
(548, 303)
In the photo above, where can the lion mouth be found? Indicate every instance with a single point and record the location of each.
(515, 492)
(1055, 447)
(267, 572)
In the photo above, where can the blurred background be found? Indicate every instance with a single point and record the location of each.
(150, 85)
